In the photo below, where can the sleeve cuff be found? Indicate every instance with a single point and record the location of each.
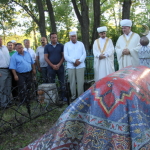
(106, 55)
(73, 60)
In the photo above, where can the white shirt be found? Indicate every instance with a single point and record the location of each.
(128, 36)
(4, 57)
(74, 51)
(40, 53)
(32, 52)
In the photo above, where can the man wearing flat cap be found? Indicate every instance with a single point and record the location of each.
(75, 54)
(103, 50)
(127, 46)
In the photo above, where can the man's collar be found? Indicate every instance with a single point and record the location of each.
(23, 52)
(2, 46)
(42, 46)
(27, 49)
(129, 33)
(72, 42)
(103, 38)
(51, 43)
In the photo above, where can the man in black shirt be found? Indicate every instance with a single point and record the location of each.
(53, 54)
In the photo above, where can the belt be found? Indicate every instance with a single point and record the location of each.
(24, 72)
(4, 68)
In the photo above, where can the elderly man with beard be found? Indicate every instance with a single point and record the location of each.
(127, 46)
(41, 63)
(5, 76)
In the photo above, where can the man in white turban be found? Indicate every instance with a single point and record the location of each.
(127, 46)
(75, 55)
(103, 50)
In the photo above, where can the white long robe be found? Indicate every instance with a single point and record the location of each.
(104, 66)
(133, 46)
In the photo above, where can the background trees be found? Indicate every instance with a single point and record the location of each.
(40, 17)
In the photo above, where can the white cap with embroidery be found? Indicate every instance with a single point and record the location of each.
(102, 29)
(126, 23)
(72, 33)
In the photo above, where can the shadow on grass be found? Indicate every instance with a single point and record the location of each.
(22, 136)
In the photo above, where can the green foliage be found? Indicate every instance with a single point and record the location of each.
(111, 12)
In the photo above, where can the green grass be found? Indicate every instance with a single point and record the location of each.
(27, 133)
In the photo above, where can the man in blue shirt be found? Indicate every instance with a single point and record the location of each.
(22, 64)
(53, 54)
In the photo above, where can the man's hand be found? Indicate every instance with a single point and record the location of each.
(58, 65)
(77, 63)
(39, 69)
(55, 67)
(126, 51)
(34, 71)
(101, 56)
(16, 78)
(0, 74)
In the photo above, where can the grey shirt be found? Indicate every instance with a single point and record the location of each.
(40, 53)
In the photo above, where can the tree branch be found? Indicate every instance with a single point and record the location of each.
(103, 2)
(27, 10)
(77, 11)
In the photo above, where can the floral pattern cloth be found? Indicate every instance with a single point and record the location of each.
(113, 114)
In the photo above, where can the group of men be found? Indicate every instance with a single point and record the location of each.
(127, 48)
(49, 60)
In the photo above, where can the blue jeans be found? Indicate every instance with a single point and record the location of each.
(61, 77)
(44, 74)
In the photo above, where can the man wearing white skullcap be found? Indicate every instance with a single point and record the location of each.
(75, 54)
(127, 46)
(103, 50)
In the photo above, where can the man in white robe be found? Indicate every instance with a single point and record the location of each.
(127, 46)
(75, 55)
(103, 50)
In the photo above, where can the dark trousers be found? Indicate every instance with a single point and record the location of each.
(14, 87)
(60, 73)
(24, 85)
(44, 74)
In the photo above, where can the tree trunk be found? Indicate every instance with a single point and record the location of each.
(96, 6)
(126, 9)
(41, 22)
(51, 15)
(85, 24)
(83, 18)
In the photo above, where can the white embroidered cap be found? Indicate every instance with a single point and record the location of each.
(102, 29)
(126, 22)
(13, 41)
(72, 33)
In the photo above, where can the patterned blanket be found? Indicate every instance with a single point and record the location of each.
(113, 114)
